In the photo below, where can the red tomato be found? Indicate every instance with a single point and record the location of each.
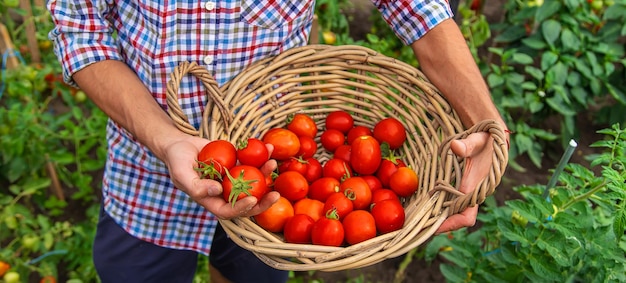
(361, 190)
(391, 131)
(308, 147)
(336, 168)
(359, 226)
(373, 182)
(313, 169)
(286, 143)
(389, 215)
(302, 125)
(404, 182)
(340, 202)
(252, 152)
(331, 139)
(339, 120)
(323, 187)
(386, 169)
(215, 158)
(274, 218)
(291, 185)
(358, 131)
(343, 152)
(365, 155)
(295, 164)
(311, 207)
(328, 231)
(298, 229)
(48, 279)
(242, 181)
(383, 194)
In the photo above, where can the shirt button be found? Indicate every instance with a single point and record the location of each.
(208, 60)
(209, 5)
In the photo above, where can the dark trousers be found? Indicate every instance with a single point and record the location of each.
(120, 257)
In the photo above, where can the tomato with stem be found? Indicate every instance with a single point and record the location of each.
(252, 152)
(361, 190)
(328, 231)
(215, 158)
(341, 202)
(302, 125)
(242, 181)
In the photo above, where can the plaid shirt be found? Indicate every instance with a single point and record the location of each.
(153, 37)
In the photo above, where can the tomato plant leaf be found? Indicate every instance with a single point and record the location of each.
(551, 29)
(546, 10)
(619, 224)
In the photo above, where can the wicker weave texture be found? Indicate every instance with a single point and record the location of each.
(319, 79)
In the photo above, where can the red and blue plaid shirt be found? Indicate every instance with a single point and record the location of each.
(153, 37)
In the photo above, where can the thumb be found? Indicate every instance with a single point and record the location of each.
(470, 146)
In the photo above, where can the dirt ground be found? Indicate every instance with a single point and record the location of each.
(419, 270)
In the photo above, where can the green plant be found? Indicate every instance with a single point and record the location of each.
(557, 59)
(576, 234)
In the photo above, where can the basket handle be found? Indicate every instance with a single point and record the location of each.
(488, 185)
(214, 99)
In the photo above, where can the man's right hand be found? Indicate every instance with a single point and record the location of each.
(181, 161)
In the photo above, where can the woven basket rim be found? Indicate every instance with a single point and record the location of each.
(315, 79)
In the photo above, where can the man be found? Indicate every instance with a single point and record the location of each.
(157, 214)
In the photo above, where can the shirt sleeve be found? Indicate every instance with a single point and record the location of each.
(410, 20)
(81, 35)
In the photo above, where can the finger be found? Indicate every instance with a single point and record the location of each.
(225, 210)
(266, 202)
(269, 167)
(467, 218)
(471, 145)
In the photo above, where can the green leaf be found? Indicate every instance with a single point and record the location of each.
(569, 40)
(534, 43)
(560, 73)
(616, 93)
(548, 59)
(544, 269)
(511, 34)
(494, 80)
(453, 273)
(614, 12)
(546, 10)
(596, 68)
(559, 257)
(551, 30)
(582, 67)
(556, 103)
(522, 58)
(579, 94)
(534, 72)
(573, 79)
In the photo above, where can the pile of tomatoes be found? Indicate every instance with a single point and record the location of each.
(353, 196)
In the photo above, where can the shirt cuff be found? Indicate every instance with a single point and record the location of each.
(410, 20)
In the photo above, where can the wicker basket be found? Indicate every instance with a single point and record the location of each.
(316, 80)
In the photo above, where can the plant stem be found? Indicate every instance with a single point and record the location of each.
(585, 195)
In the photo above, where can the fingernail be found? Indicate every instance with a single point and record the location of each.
(213, 190)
